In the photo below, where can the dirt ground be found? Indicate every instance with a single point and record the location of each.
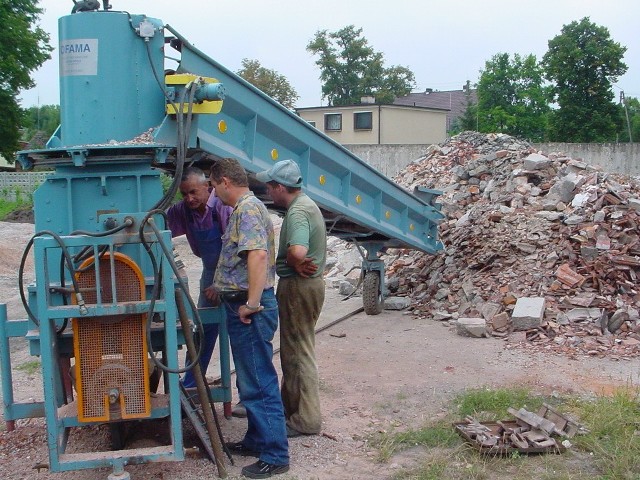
(378, 373)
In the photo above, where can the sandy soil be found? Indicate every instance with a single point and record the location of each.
(377, 373)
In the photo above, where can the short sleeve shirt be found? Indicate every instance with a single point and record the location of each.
(303, 225)
(250, 228)
(184, 221)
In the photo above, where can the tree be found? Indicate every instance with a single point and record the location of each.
(269, 81)
(42, 120)
(582, 63)
(469, 118)
(512, 98)
(350, 69)
(23, 48)
(633, 116)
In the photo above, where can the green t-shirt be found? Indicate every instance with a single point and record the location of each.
(303, 224)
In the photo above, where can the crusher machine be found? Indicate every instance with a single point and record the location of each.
(103, 312)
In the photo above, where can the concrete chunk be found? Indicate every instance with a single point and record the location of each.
(528, 313)
(536, 161)
(396, 303)
(472, 327)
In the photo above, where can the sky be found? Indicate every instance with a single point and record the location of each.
(444, 43)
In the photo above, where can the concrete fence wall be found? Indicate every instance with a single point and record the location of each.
(20, 184)
(388, 159)
(612, 157)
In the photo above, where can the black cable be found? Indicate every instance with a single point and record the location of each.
(70, 267)
(156, 288)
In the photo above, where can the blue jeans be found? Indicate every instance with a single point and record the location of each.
(257, 379)
(210, 331)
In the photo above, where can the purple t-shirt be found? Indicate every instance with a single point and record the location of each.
(184, 221)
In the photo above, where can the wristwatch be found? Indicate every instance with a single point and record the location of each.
(252, 308)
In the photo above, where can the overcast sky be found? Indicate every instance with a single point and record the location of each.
(444, 43)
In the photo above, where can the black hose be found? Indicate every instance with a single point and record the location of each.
(70, 267)
(156, 291)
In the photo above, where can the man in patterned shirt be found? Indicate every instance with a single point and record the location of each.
(244, 280)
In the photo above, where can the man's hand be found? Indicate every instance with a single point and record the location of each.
(245, 313)
(306, 267)
(212, 295)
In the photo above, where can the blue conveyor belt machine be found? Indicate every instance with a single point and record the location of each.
(104, 268)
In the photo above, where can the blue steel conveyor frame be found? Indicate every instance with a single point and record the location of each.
(359, 204)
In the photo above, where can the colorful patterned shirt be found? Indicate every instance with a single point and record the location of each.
(250, 228)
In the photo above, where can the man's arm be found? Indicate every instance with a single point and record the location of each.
(298, 260)
(257, 273)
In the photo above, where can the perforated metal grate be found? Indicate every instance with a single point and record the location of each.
(111, 350)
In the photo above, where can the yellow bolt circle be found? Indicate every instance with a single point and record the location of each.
(222, 126)
(323, 180)
(387, 214)
(412, 227)
(274, 154)
(358, 199)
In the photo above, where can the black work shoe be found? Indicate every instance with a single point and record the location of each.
(239, 411)
(292, 432)
(262, 469)
(239, 448)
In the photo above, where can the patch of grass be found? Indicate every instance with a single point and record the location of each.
(610, 450)
(441, 435)
(7, 207)
(614, 433)
(29, 367)
(490, 405)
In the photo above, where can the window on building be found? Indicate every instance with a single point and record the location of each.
(363, 120)
(311, 122)
(333, 121)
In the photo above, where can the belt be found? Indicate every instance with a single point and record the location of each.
(235, 296)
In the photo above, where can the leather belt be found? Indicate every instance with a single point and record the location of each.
(235, 296)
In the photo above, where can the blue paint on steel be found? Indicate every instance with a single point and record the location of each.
(210, 91)
(107, 89)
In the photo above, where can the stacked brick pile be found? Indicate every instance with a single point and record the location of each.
(522, 224)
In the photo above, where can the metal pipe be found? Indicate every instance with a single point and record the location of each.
(216, 445)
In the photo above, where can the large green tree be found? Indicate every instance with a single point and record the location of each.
(40, 122)
(350, 69)
(512, 98)
(582, 63)
(24, 46)
(269, 81)
(630, 112)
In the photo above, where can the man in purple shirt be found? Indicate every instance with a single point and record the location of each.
(202, 217)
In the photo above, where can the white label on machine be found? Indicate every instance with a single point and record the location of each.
(79, 57)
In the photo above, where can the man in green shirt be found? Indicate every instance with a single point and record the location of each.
(300, 264)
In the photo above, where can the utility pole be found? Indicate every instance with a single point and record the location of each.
(626, 112)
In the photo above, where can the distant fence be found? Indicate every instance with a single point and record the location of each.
(14, 185)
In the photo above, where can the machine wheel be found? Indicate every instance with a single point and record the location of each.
(371, 293)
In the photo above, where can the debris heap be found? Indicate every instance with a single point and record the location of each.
(522, 224)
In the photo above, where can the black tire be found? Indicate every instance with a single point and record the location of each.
(371, 293)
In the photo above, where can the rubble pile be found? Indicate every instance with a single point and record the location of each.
(522, 225)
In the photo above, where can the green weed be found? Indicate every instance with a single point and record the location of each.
(30, 367)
